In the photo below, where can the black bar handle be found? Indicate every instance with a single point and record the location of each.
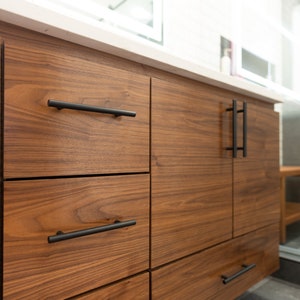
(246, 268)
(245, 131)
(244, 111)
(97, 109)
(61, 236)
(234, 110)
(234, 147)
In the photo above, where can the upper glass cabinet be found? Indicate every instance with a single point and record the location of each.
(141, 17)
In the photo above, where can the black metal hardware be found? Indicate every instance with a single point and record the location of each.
(246, 268)
(245, 129)
(234, 147)
(61, 236)
(103, 110)
(234, 110)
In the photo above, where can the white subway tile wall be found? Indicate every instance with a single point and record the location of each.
(192, 28)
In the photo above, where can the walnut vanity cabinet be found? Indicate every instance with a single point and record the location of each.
(76, 182)
(215, 177)
(194, 174)
(122, 181)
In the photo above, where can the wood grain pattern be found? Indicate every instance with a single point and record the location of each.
(192, 179)
(290, 211)
(36, 209)
(1, 155)
(256, 177)
(135, 288)
(43, 141)
(289, 171)
(199, 276)
(191, 170)
(1, 109)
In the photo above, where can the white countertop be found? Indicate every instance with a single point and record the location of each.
(31, 16)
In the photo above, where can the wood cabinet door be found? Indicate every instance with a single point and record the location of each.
(191, 170)
(256, 177)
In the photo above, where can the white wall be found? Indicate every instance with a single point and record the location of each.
(261, 31)
(192, 28)
(296, 50)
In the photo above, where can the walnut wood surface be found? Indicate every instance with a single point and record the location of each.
(256, 177)
(191, 170)
(199, 276)
(43, 141)
(36, 209)
(193, 178)
(1, 159)
(135, 288)
(1, 108)
(290, 211)
(289, 171)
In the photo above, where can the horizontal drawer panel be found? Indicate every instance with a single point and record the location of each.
(45, 141)
(37, 209)
(201, 276)
(136, 288)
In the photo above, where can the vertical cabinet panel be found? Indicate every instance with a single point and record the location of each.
(191, 170)
(1, 111)
(1, 156)
(256, 177)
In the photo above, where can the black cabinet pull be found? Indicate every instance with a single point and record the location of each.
(244, 111)
(97, 109)
(246, 268)
(235, 147)
(61, 236)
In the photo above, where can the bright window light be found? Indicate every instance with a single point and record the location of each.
(101, 13)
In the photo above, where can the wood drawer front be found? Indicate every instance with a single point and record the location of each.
(199, 276)
(44, 141)
(135, 288)
(36, 209)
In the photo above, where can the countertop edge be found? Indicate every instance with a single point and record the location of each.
(41, 20)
